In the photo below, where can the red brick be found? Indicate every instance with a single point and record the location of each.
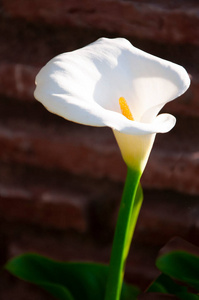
(34, 197)
(57, 200)
(163, 21)
(165, 215)
(17, 81)
(93, 152)
(38, 204)
(174, 160)
(80, 149)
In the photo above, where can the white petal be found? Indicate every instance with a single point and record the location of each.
(85, 85)
(135, 148)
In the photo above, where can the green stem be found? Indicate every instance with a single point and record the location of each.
(134, 215)
(123, 234)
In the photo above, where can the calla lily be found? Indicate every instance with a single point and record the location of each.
(111, 83)
(104, 82)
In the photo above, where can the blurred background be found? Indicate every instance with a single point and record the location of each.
(60, 182)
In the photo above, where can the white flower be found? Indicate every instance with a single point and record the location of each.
(85, 86)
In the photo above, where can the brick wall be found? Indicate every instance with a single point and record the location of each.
(61, 183)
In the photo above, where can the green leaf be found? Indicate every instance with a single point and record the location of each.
(182, 266)
(66, 281)
(164, 284)
(129, 292)
(58, 291)
(187, 296)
